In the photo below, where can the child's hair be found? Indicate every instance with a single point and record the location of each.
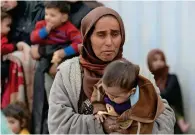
(4, 15)
(19, 111)
(121, 73)
(63, 6)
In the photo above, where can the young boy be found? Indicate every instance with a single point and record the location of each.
(18, 117)
(124, 94)
(56, 29)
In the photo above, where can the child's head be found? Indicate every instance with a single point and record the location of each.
(6, 21)
(119, 80)
(17, 116)
(56, 12)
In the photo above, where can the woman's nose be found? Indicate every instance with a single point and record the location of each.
(108, 40)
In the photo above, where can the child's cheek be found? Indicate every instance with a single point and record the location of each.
(15, 129)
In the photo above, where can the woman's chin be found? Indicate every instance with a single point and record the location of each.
(107, 58)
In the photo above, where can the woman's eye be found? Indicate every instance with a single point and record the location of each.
(101, 35)
(115, 34)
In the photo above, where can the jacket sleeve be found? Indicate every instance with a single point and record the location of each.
(39, 34)
(62, 118)
(6, 47)
(97, 98)
(75, 38)
(164, 124)
(146, 73)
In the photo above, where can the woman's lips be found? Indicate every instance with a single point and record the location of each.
(108, 52)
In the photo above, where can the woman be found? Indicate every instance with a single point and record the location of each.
(169, 87)
(69, 106)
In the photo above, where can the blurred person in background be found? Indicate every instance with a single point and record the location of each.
(169, 87)
(24, 16)
(12, 72)
(57, 30)
(6, 46)
(17, 116)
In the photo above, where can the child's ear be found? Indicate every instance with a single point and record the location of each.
(23, 124)
(132, 91)
(64, 18)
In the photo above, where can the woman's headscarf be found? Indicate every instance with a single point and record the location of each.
(160, 75)
(92, 66)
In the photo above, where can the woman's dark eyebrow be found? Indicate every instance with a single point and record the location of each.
(101, 31)
(116, 31)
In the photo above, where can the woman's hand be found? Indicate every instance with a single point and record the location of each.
(100, 117)
(53, 70)
(58, 56)
(25, 48)
(34, 52)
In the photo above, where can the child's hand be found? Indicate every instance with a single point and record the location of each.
(100, 118)
(58, 56)
(49, 26)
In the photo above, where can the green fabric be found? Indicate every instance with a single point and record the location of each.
(4, 125)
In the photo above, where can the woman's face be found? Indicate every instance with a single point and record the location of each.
(106, 38)
(157, 62)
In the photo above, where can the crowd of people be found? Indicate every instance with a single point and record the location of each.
(63, 71)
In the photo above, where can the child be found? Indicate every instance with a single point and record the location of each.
(18, 117)
(4, 127)
(6, 21)
(130, 97)
(6, 47)
(56, 29)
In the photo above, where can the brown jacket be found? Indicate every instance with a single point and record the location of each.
(141, 116)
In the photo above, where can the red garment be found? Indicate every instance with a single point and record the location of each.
(5, 46)
(14, 85)
(61, 35)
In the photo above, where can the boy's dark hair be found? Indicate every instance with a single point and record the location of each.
(63, 6)
(5, 15)
(121, 73)
(18, 111)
